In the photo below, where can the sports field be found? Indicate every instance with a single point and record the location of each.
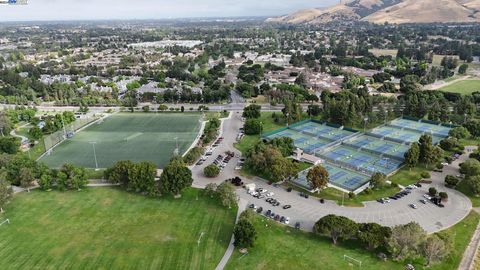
(105, 228)
(466, 87)
(126, 136)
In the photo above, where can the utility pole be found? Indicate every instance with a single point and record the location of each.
(63, 124)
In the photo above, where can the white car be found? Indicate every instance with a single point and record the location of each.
(270, 194)
(287, 220)
(414, 206)
(444, 163)
(426, 196)
(386, 200)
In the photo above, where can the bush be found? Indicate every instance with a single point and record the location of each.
(451, 180)
(449, 159)
(425, 175)
(439, 166)
(367, 191)
(211, 171)
(394, 185)
(193, 155)
(432, 191)
(351, 195)
(443, 195)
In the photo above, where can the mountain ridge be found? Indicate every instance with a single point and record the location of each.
(391, 11)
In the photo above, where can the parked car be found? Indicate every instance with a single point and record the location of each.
(259, 210)
(287, 220)
(269, 212)
(287, 206)
(297, 225)
(414, 206)
(423, 201)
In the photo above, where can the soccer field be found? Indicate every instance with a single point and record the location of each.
(126, 136)
(466, 87)
(105, 228)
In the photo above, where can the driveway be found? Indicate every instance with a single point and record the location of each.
(307, 211)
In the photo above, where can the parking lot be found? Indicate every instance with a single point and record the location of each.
(308, 210)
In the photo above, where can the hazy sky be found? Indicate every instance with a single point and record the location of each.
(151, 9)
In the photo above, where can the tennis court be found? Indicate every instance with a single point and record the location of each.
(339, 177)
(378, 146)
(402, 135)
(361, 161)
(127, 136)
(322, 131)
(437, 130)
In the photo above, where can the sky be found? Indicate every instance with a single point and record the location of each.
(150, 9)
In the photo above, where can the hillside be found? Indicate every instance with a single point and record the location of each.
(392, 11)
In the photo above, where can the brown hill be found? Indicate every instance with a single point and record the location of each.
(427, 11)
(392, 11)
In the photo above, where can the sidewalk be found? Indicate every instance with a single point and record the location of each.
(242, 205)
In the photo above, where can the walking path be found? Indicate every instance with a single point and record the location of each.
(242, 205)
(468, 260)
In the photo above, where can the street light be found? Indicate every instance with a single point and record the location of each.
(95, 155)
(176, 151)
(365, 124)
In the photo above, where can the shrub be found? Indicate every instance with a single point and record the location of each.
(425, 175)
(394, 185)
(211, 171)
(367, 191)
(193, 155)
(443, 195)
(253, 127)
(451, 180)
(449, 159)
(439, 166)
(432, 191)
(351, 195)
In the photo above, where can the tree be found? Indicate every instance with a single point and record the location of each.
(26, 178)
(6, 193)
(405, 240)
(283, 168)
(16, 164)
(474, 184)
(432, 191)
(434, 249)
(45, 181)
(211, 171)
(471, 167)
(139, 177)
(373, 235)
(35, 133)
(252, 111)
(71, 177)
(473, 126)
(244, 234)
(459, 133)
(427, 152)
(412, 155)
(314, 110)
(285, 145)
(318, 177)
(227, 194)
(9, 144)
(253, 127)
(336, 227)
(463, 69)
(451, 180)
(175, 177)
(378, 180)
(118, 174)
(211, 189)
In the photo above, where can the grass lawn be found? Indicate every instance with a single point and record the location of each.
(248, 141)
(465, 189)
(406, 176)
(466, 87)
(105, 228)
(128, 136)
(280, 247)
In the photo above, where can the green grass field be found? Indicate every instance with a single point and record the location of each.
(466, 87)
(105, 228)
(280, 247)
(126, 136)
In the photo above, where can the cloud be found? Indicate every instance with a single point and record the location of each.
(151, 9)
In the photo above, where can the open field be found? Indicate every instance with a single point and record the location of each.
(126, 136)
(280, 247)
(105, 228)
(466, 87)
(383, 52)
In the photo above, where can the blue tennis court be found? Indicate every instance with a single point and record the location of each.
(340, 177)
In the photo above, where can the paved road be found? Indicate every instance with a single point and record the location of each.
(308, 211)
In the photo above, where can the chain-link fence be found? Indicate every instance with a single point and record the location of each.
(58, 136)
